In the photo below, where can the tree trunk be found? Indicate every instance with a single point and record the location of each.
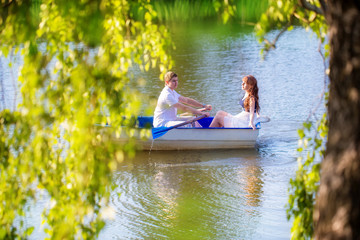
(337, 213)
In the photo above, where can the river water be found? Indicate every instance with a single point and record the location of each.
(221, 194)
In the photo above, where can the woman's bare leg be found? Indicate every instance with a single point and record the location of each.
(218, 120)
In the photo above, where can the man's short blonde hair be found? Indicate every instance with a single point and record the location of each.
(169, 75)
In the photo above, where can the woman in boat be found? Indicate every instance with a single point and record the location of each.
(169, 101)
(250, 103)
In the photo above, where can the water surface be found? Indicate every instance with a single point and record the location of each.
(223, 194)
(216, 194)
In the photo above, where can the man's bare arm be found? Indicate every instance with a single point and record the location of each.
(187, 108)
(194, 103)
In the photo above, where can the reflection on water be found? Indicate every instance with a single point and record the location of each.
(189, 195)
(252, 176)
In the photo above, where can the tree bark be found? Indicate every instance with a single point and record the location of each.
(337, 213)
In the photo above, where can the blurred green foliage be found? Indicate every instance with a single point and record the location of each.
(304, 187)
(76, 55)
(285, 14)
(282, 15)
(75, 76)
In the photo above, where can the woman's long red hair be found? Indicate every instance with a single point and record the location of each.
(253, 92)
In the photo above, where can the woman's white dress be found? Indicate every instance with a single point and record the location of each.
(240, 120)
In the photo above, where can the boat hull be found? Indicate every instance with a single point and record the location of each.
(196, 138)
(203, 138)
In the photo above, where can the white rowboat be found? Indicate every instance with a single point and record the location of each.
(199, 138)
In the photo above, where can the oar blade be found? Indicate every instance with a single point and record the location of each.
(158, 132)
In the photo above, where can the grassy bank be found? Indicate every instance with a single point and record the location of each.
(247, 11)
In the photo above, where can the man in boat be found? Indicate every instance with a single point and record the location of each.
(169, 101)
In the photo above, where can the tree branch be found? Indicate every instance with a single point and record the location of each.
(308, 6)
(324, 90)
(323, 5)
(269, 44)
(304, 19)
(7, 4)
(272, 44)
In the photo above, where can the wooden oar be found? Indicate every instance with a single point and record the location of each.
(160, 131)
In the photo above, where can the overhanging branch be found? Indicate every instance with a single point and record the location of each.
(272, 44)
(7, 4)
(307, 21)
(308, 6)
(269, 45)
(323, 5)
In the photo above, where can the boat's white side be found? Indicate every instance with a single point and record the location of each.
(201, 138)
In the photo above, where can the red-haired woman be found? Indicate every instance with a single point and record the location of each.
(250, 103)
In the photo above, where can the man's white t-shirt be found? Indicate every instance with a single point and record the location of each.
(164, 111)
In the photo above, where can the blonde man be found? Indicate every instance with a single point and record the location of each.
(169, 101)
